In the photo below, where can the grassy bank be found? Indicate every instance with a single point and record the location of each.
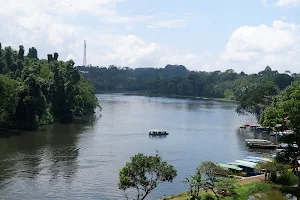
(243, 192)
(245, 188)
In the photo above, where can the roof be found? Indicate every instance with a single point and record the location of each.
(259, 158)
(246, 162)
(251, 160)
(229, 166)
(241, 164)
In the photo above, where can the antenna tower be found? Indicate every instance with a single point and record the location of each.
(84, 54)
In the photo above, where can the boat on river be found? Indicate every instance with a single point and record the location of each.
(260, 144)
(158, 133)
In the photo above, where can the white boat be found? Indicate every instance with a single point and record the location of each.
(158, 133)
(257, 141)
(260, 143)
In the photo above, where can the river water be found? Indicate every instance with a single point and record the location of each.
(82, 160)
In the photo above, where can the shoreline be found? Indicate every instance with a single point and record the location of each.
(241, 181)
(167, 96)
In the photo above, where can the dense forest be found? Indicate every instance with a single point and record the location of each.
(177, 80)
(36, 91)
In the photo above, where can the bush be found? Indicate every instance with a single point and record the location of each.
(244, 191)
(207, 197)
(287, 178)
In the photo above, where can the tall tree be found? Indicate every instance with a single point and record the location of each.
(55, 56)
(32, 53)
(9, 59)
(21, 53)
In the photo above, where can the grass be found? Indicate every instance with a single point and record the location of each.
(243, 192)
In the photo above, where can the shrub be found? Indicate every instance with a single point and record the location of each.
(207, 197)
(287, 178)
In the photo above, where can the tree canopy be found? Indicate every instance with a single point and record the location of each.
(35, 92)
(285, 110)
(176, 80)
(144, 173)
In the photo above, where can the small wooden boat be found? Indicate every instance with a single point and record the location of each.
(158, 133)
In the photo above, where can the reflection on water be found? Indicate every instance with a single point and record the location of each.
(82, 160)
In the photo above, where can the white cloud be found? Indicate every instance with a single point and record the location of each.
(287, 3)
(252, 48)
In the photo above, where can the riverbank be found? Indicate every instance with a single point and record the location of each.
(167, 96)
(243, 181)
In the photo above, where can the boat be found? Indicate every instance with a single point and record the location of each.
(257, 141)
(158, 133)
(259, 158)
(260, 144)
(281, 133)
(232, 167)
(251, 160)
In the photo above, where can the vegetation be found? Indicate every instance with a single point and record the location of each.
(144, 173)
(243, 192)
(35, 92)
(177, 80)
(212, 174)
(285, 109)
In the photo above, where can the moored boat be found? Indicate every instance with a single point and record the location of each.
(260, 144)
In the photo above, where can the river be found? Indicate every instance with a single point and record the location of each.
(82, 160)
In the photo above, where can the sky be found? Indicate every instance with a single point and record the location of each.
(203, 35)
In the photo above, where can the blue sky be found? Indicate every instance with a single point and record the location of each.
(210, 35)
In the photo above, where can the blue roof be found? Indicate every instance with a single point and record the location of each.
(258, 158)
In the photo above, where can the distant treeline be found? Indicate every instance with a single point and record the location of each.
(177, 80)
(34, 92)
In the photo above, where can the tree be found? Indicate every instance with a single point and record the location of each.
(272, 167)
(34, 92)
(212, 174)
(50, 57)
(257, 97)
(227, 185)
(21, 53)
(9, 101)
(195, 184)
(9, 59)
(55, 56)
(287, 105)
(32, 53)
(144, 173)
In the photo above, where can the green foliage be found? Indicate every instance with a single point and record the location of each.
(195, 184)
(287, 178)
(144, 173)
(228, 185)
(34, 92)
(9, 100)
(257, 97)
(207, 197)
(245, 191)
(212, 174)
(176, 80)
(287, 105)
